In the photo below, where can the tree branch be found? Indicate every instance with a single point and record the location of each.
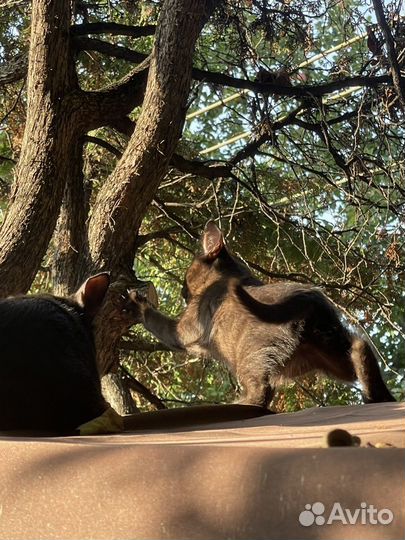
(110, 49)
(112, 28)
(104, 144)
(6, 158)
(293, 91)
(138, 387)
(14, 70)
(12, 73)
(125, 196)
(397, 79)
(118, 51)
(266, 133)
(142, 345)
(103, 107)
(206, 169)
(143, 239)
(43, 168)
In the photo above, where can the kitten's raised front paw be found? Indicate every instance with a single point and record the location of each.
(137, 303)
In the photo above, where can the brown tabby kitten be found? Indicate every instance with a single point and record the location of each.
(264, 333)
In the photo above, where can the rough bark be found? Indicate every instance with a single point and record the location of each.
(70, 237)
(59, 115)
(125, 196)
(117, 393)
(123, 200)
(39, 179)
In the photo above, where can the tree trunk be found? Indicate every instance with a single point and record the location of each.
(70, 238)
(126, 195)
(58, 115)
(43, 167)
(118, 395)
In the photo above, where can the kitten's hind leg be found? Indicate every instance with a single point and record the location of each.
(368, 372)
(256, 389)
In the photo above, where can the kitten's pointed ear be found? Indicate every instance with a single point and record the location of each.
(212, 240)
(91, 293)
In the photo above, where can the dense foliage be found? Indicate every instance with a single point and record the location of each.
(301, 160)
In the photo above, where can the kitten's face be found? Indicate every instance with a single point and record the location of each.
(215, 264)
(199, 276)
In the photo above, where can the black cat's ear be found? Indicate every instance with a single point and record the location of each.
(91, 293)
(212, 240)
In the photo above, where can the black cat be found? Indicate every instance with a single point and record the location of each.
(48, 373)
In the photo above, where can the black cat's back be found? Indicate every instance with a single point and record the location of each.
(48, 371)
